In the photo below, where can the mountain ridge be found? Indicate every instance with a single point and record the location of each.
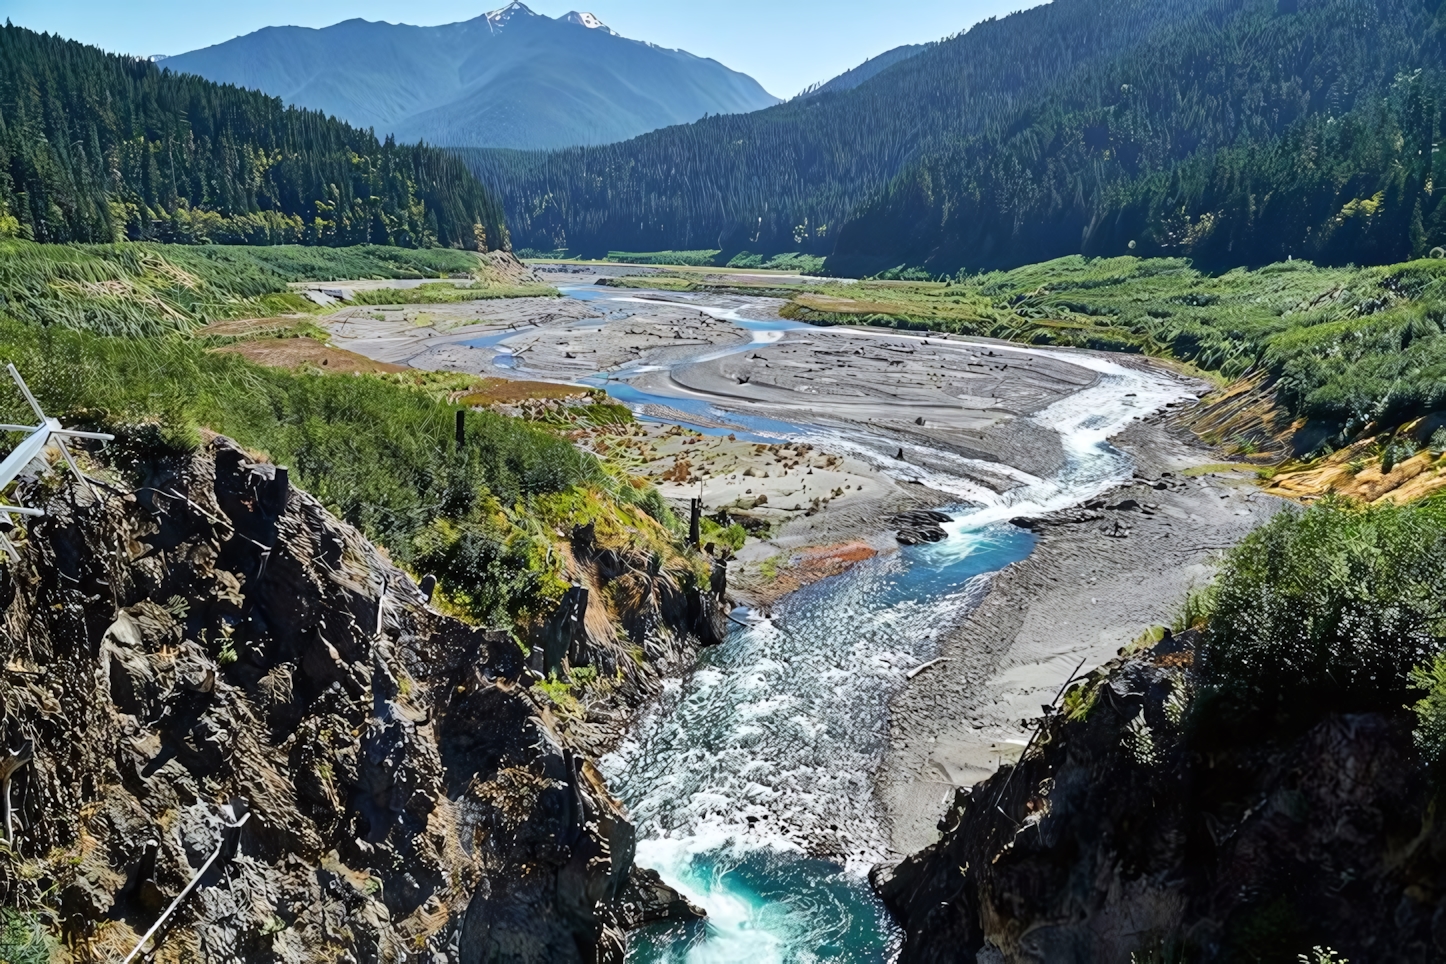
(510, 78)
(867, 70)
(83, 128)
(1232, 132)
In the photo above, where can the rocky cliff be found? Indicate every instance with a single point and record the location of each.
(203, 675)
(1123, 835)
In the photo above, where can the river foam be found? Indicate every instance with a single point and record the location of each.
(749, 773)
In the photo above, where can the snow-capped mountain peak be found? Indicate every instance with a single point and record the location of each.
(586, 20)
(499, 18)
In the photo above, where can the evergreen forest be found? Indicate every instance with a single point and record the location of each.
(1233, 132)
(96, 147)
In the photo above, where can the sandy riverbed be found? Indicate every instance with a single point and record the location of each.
(1096, 580)
(959, 412)
(552, 339)
(886, 390)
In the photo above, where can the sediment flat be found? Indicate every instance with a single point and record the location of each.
(928, 394)
(548, 339)
(956, 410)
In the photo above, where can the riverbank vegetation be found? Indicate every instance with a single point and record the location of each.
(378, 450)
(110, 335)
(96, 147)
(144, 288)
(1339, 351)
(1339, 608)
(789, 261)
(442, 293)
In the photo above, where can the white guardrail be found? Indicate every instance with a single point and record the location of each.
(37, 437)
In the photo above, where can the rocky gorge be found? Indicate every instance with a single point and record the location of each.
(208, 679)
(1126, 833)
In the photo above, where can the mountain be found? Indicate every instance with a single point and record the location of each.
(785, 178)
(512, 78)
(850, 79)
(1257, 132)
(98, 147)
(1230, 131)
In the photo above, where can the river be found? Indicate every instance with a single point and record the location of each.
(751, 780)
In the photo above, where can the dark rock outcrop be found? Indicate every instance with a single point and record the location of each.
(1120, 836)
(923, 525)
(209, 644)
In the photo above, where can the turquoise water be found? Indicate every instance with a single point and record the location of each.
(771, 744)
(752, 428)
(759, 765)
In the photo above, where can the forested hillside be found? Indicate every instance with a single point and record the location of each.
(1232, 131)
(1253, 134)
(783, 179)
(872, 67)
(98, 147)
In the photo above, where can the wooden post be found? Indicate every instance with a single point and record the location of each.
(695, 522)
(461, 428)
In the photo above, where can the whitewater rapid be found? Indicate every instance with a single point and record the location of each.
(751, 780)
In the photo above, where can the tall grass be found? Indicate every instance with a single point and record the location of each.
(143, 289)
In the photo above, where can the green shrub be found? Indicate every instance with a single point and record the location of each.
(492, 573)
(733, 536)
(1327, 609)
(1431, 711)
(24, 939)
(378, 451)
(800, 263)
(696, 259)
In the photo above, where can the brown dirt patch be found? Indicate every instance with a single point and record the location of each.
(809, 566)
(505, 391)
(1410, 479)
(249, 327)
(296, 352)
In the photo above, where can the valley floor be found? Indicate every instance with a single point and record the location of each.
(957, 411)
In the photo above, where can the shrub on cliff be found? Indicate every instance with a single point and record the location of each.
(379, 451)
(1332, 608)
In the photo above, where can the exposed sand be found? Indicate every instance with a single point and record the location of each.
(812, 513)
(956, 409)
(1076, 600)
(920, 393)
(437, 337)
(555, 339)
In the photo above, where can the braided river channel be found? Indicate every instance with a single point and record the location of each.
(751, 779)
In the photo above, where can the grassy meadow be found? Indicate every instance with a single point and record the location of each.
(143, 289)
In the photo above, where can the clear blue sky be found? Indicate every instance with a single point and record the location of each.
(785, 44)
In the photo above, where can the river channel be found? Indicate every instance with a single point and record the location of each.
(751, 780)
